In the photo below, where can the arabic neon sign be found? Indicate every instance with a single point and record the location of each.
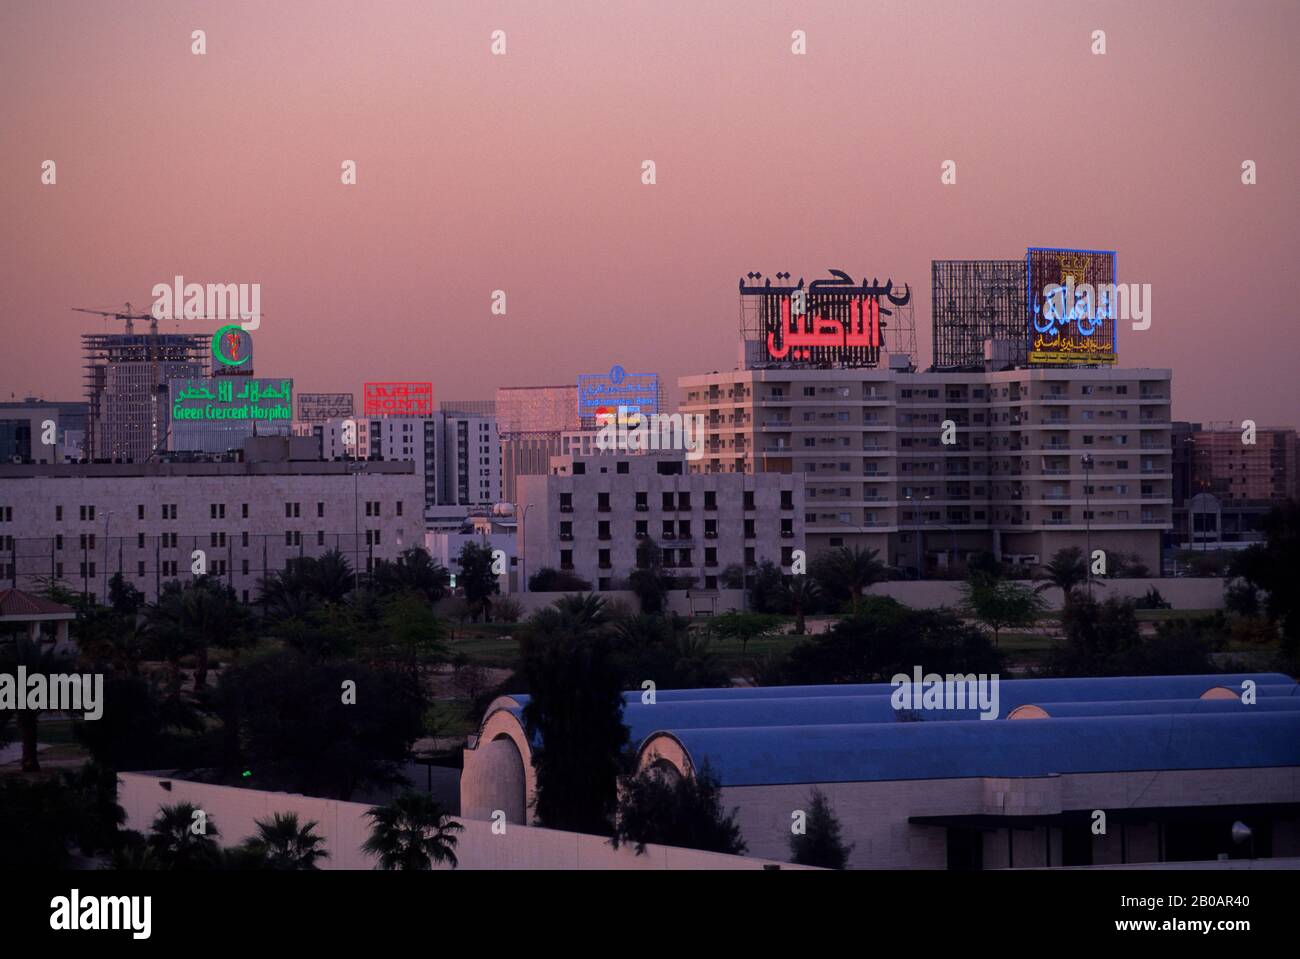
(231, 398)
(601, 394)
(1066, 328)
(830, 321)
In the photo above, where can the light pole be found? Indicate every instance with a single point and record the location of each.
(523, 539)
(1086, 463)
(107, 518)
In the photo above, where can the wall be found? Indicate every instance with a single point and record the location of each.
(344, 828)
(928, 593)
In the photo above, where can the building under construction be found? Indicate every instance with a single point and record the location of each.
(126, 377)
(979, 310)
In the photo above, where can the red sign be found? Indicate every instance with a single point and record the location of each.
(397, 399)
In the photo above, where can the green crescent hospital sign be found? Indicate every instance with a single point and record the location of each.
(232, 399)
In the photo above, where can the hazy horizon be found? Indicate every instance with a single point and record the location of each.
(523, 173)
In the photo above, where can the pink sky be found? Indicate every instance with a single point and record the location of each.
(522, 173)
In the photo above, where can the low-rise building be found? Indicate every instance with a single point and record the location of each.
(589, 515)
(79, 524)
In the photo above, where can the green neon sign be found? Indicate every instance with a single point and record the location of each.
(232, 399)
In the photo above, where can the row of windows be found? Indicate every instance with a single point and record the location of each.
(674, 502)
(171, 511)
(670, 529)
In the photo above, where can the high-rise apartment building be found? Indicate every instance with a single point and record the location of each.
(929, 467)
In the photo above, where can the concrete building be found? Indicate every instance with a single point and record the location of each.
(127, 375)
(589, 515)
(531, 421)
(23, 429)
(80, 524)
(934, 466)
(1226, 484)
(1172, 762)
(472, 474)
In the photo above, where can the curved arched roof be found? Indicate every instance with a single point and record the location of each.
(1150, 707)
(954, 750)
(791, 734)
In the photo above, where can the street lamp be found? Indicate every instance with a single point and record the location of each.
(1086, 463)
(919, 528)
(107, 518)
(523, 538)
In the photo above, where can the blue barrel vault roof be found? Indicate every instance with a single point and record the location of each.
(844, 733)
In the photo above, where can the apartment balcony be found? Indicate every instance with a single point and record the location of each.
(1055, 522)
(566, 509)
(566, 537)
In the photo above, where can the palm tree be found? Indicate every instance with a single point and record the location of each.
(175, 842)
(36, 658)
(800, 594)
(287, 845)
(329, 576)
(414, 570)
(1065, 572)
(194, 617)
(582, 611)
(412, 832)
(849, 569)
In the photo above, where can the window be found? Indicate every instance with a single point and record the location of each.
(602, 529)
(668, 506)
(566, 502)
(579, 467)
(622, 467)
(87, 513)
(749, 529)
(749, 499)
(399, 507)
(710, 500)
(244, 511)
(320, 510)
(320, 537)
(139, 512)
(602, 502)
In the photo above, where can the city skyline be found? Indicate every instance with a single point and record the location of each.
(478, 173)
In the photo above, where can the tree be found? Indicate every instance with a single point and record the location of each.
(820, 843)
(192, 618)
(412, 832)
(664, 807)
(1272, 569)
(766, 589)
(667, 652)
(551, 580)
(284, 844)
(743, 627)
(183, 837)
(1067, 569)
(887, 638)
(800, 595)
(410, 634)
(37, 659)
(1098, 638)
(320, 728)
(1001, 604)
(847, 572)
(648, 580)
(414, 571)
(476, 578)
(575, 712)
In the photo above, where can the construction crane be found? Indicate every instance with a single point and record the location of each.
(126, 315)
